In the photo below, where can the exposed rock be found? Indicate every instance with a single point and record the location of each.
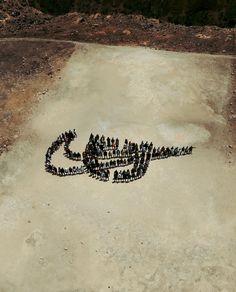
(127, 32)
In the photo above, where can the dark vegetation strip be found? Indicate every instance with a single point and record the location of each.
(187, 12)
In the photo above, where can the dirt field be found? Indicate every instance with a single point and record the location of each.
(173, 230)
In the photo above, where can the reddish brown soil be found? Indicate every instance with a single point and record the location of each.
(115, 29)
(25, 70)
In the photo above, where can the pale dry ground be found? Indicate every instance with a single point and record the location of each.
(173, 230)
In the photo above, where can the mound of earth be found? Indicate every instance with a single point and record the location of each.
(18, 19)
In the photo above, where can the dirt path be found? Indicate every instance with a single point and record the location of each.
(35, 39)
(173, 230)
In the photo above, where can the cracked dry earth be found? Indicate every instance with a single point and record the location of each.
(173, 230)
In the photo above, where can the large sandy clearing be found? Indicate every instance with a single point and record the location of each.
(173, 230)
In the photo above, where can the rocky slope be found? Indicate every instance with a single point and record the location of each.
(19, 19)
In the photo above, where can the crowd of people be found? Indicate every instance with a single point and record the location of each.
(99, 149)
(65, 138)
